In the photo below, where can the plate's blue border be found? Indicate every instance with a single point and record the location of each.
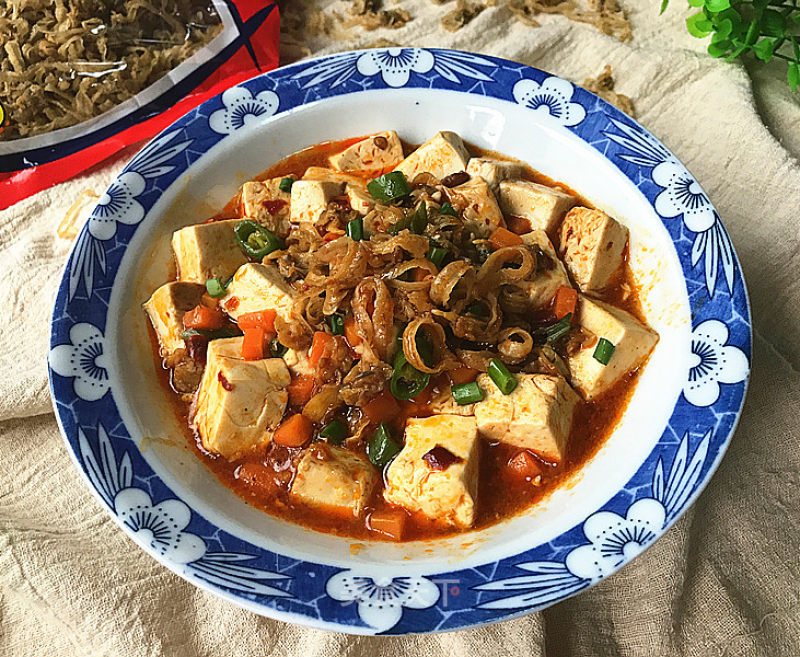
(670, 478)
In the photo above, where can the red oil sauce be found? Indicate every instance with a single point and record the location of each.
(263, 478)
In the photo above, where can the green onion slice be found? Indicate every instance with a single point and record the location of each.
(407, 381)
(436, 255)
(334, 432)
(276, 349)
(556, 331)
(419, 219)
(466, 393)
(448, 209)
(285, 185)
(603, 351)
(382, 447)
(503, 379)
(255, 240)
(389, 187)
(336, 322)
(216, 288)
(226, 332)
(355, 229)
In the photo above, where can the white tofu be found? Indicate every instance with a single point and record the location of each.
(441, 155)
(633, 341)
(537, 415)
(323, 174)
(203, 251)
(297, 362)
(166, 308)
(550, 271)
(267, 204)
(359, 198)
(374, 153)
(258, 287)
(592, 245)
(447, 496)
(334, 479)
(495, 171)
(543, 206)
(310, 198)
(477, 201)
(239, 403)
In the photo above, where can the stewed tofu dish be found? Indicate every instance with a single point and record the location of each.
(398, 343)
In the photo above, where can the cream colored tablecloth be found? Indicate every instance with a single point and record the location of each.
(723, 581)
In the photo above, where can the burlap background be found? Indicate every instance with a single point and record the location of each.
(723, 581)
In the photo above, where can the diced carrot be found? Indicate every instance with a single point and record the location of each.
(502, 237)
(318, 345)
(264, 319)
(524, 466)
(294, 432)
(351, 333)
(565, 300)
(329, 237)
(382, 408)
(253, 343)
(462, 375)
(300, 389)
(203, 317)
(390, 522)
(518, 225)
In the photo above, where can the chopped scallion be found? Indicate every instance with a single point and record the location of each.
(381, 448)
(389, 187)
(603, 351)
(466, 393)
(436, 255)
(419, 219)
(448, 209)
(558, 330)
(276, 349)
(285, 185)
(216, 288)
(355, 229)
(503, 379)
(334, 432)
(336, 322)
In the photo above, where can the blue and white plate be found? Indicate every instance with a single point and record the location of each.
(130, 448)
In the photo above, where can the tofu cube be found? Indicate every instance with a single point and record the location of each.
(359, 198)
(239, 403)
(166, 308)
(478, 202)
(495, 171)
(633, 341)
(324, 174)
(441, 155)
(297, 362)
(550, 271)
(537, 415)
(258, 287)
(376, 152)
(447, 496)
(334, 479)
(543, 206)
(592, 245)
(267, 204)
(203, 251)
(310, 198)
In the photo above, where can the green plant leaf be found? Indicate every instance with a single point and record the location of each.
(752, 33)
(719, 38)
(764, 49)
(697, 3)
(793, 75)
(699, 26)
(717, 5)
(773, 23)
(664, 4)
(719, 49)
(724, 28)
(734, 54)
(795, 48)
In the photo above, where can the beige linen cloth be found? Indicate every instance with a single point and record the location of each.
(723, 581)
